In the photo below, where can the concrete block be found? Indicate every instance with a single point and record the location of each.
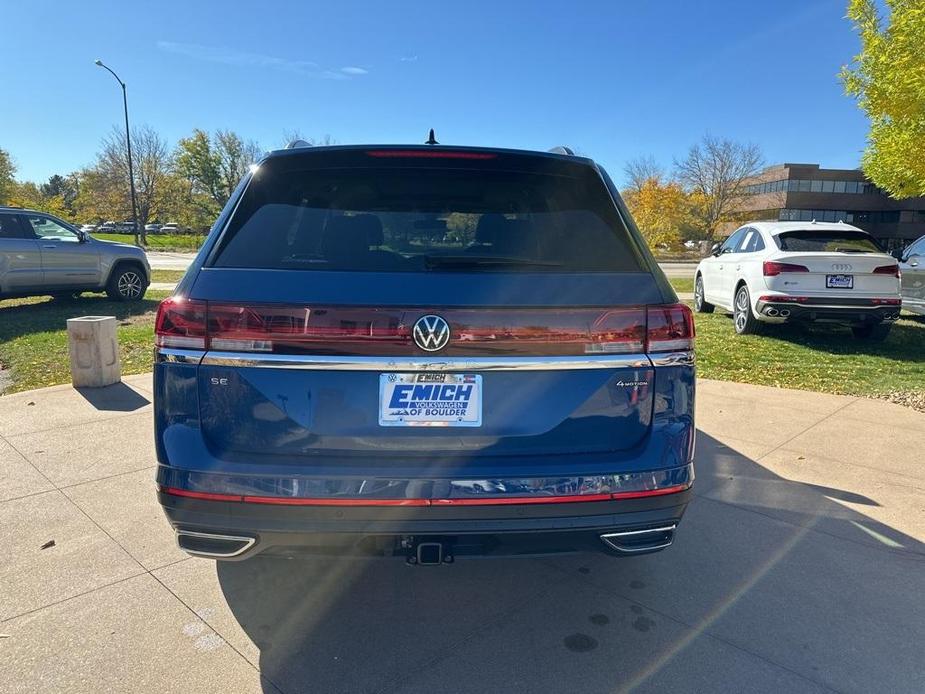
(94, 351)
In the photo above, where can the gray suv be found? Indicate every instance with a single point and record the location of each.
(41, 254)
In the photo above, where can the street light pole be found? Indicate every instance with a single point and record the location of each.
(128, 144)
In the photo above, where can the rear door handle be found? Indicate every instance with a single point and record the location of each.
(49, 245)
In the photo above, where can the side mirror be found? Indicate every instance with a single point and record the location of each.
(897, 253)
(82, 236)
(714, 249)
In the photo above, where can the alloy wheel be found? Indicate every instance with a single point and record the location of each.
(130, 285)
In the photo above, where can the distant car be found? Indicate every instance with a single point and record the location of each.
(107, 228)
(126, 227)
(173, 228)
(88, 228)
(41, 254)
(691, 244)
(153, 228)
(912, 267)
(777, 272)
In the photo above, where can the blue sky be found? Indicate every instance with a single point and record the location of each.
(613, 79)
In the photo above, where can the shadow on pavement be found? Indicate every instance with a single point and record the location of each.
(115, 398)
(771, 586)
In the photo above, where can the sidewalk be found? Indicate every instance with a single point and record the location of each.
(797, 568)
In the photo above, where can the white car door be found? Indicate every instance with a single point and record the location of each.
(718, 289)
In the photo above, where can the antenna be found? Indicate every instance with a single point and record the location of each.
(431, 140)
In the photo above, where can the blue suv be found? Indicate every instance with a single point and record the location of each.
(424, 352)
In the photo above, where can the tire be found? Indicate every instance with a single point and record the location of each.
(700, 304)
(871, 332)
(743, 319)
(127, 283)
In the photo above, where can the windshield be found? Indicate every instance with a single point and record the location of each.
(418, 220)
(826, 240)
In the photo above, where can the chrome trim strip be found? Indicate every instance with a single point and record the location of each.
(641, 532)
(249, 542)
(685, 358)
(403, 364)
(178, 356)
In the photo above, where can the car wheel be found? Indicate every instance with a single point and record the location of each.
(700, 304)
(126, 284)
(872, 332)
(742, 316)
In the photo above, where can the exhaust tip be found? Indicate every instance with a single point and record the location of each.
(771, 311)
(784, 312)
(638, 541)
(215, 546)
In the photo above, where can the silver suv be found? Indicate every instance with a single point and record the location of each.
(41, 254)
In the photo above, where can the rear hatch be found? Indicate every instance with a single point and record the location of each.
(832, 262)
(405, 303)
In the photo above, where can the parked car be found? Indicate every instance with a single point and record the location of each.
(107, 228)
(174, 228)
(912, 268)
(779, 272)
(530, 389)
(153, 228)
(41, 254)
(88, 228)
(126, 227)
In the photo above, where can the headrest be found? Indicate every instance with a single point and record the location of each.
(488, 227)
(345, 237)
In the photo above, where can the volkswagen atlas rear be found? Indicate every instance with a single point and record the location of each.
(424, 352)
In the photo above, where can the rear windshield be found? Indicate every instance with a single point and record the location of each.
(427, 219)
(827, 240)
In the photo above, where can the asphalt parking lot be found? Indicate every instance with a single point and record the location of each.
(800, 566)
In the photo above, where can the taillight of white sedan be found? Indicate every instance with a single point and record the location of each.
(777, 272)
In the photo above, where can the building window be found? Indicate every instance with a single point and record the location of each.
(852, 187)
(815, 186)
(828, 186)
(839, 186)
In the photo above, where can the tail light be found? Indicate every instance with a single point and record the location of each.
(892, 270)
(180, 323)
(772, 268)
(191, 324)
(670, 328)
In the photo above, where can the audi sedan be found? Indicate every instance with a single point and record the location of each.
(426, 353)
(779, 272)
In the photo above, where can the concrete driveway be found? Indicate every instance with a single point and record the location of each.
(800, 566)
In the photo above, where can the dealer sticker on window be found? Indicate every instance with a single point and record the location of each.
(430, 399)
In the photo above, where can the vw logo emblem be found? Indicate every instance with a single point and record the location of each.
(841, 267)
(431, 333)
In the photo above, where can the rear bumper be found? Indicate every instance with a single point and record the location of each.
(396, 531)
(824, 309)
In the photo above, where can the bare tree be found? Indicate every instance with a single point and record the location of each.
(640, 170)
(717, 169)
(152, 165)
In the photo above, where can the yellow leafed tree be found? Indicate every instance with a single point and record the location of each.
(888, 80)
(663, 211)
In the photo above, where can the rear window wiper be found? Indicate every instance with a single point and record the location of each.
(467, 261)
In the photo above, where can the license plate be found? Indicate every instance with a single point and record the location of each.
(430, 399)
(839, 281)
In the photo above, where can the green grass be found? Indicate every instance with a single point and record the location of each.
(33, 336)
(160, 242)
(682, 284)
(823, 358)
(167, 275)
(33, 347)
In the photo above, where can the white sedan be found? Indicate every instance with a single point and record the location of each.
(775, 272)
